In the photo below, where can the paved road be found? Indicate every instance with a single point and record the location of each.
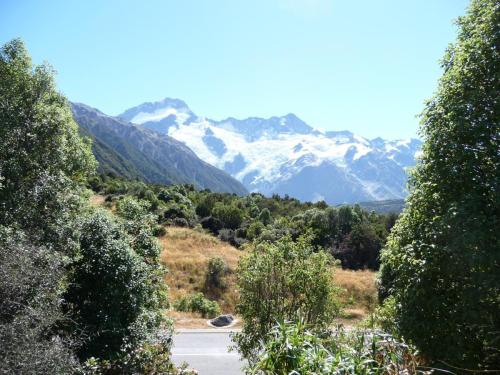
(206, 351)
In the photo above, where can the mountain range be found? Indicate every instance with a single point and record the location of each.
(284, 155)
(136, 152)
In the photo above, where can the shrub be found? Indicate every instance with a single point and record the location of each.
(180, 222)
(198, 303)
(240, 233)
(212, 224)
(230, 215)
(291, 348)
(151, 357)
(254, 230)
(216, 270)
(384, 317)
(229, 235)
(30, 299)
(159, 231)
(226, 235)
(283, 281)
(360, 249)
(113, 308)
(265, 216)
(206, 204)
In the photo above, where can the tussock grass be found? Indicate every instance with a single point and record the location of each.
(186, 253)
(359, 292)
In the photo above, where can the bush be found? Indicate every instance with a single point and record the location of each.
(254, 230)
(30, 299)
(265, 216)
(151, 357)
(226, 235)
(206, 204)
(360, 249)
(159, 231)
(216, 270)
(283, 281)
(199, 304)
(180, 222)
(113, 308)
(212, 224)
(230, 215)
(229, 235)
(291, 348)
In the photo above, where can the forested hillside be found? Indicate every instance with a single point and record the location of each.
(354, 236)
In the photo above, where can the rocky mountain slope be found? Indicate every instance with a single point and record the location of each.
(284, 155)
(135, 152)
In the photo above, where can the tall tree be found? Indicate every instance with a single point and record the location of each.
(442, 261)
(42, 157)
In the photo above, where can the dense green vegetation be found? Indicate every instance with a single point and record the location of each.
(350, 234)
(280, 281)
(441, 266)
(293, 348)
(79, 290)
(198, 303)
(82, 289)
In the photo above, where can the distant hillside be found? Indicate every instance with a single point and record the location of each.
(384, 207)
(138, 153)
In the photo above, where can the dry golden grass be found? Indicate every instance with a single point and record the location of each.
(186, 253)
(359, 292)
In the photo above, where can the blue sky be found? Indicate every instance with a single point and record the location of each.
(365, 65)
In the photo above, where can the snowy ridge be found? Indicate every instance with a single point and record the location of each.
(284, 155)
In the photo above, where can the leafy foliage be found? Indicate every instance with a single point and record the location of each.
(30, 309)
(441, 261)
(351, 234)
(216, 270)
(56, 251)
(292, 348)
(113, 293)
(199, 304)
(283, 281)
(42, 157)
(230, 216)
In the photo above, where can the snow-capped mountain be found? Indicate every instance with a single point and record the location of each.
(284, 155)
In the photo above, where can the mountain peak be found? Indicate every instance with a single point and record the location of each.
(157, 111)
(283, 154)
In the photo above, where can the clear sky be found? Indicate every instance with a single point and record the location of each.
(361, 65)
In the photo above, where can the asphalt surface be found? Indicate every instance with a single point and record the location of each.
(207, 351)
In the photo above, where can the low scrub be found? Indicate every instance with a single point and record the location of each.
(293, 349)
(199, 304)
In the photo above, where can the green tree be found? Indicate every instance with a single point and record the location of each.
(361, 248)
(43, 161)
(441, 264)
(347, 217)
(216, 270)
(230, 215)
(281, 281)
(265, 216)
(115, 298)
